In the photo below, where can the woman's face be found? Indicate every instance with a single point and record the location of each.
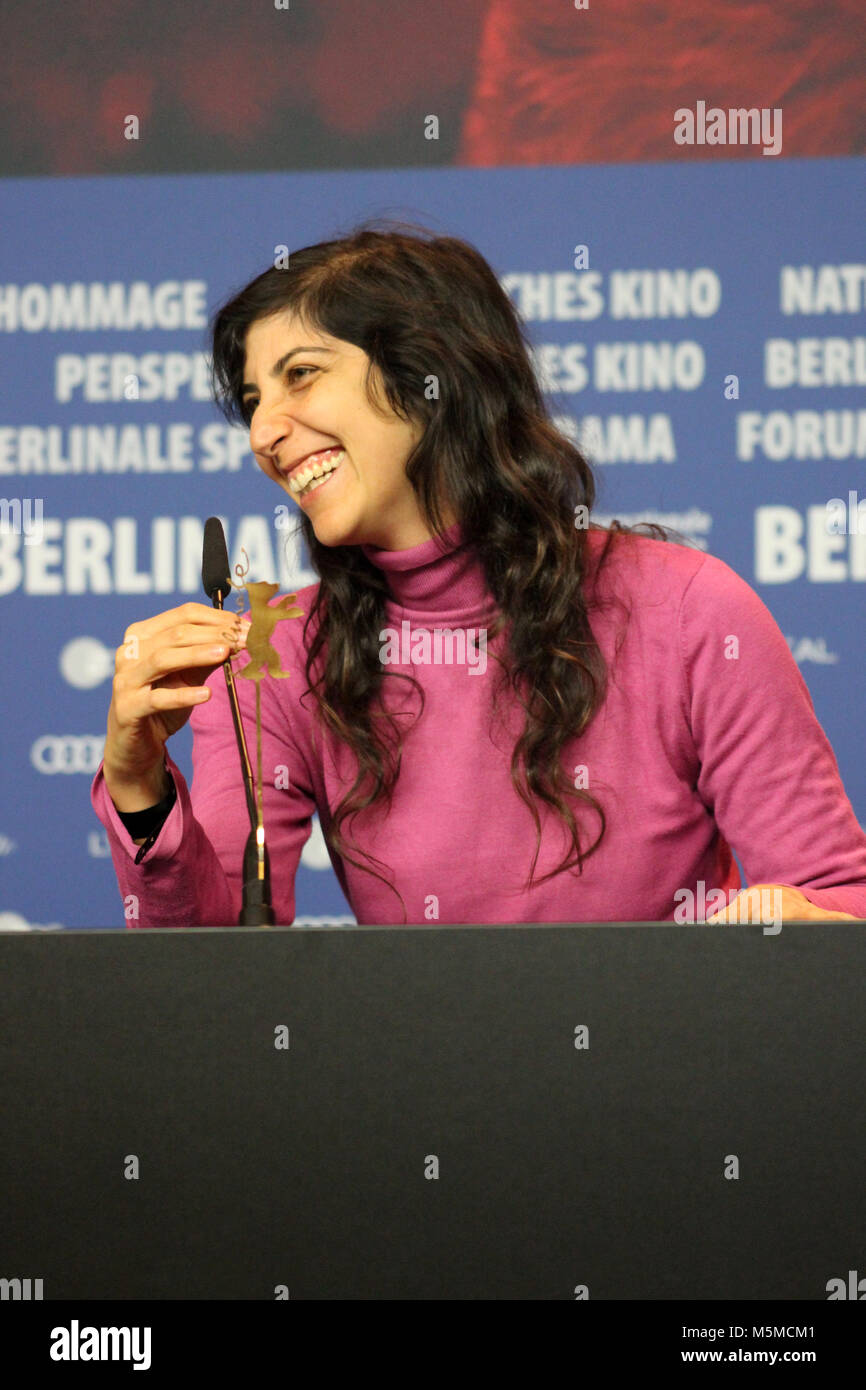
(317, 402)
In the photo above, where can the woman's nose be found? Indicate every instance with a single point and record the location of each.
(269, 425)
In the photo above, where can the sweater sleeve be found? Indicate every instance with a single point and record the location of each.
(192, 876)
(767, 771)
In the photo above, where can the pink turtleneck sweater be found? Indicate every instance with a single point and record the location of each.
(692, 753)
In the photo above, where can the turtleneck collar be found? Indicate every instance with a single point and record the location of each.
(441, 578)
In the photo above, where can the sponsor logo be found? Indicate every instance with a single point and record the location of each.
(85, 662)
(53, 753)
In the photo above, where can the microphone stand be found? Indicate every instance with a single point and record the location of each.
(256, 909)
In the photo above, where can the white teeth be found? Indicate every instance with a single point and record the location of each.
(311, 487)
(326, 462)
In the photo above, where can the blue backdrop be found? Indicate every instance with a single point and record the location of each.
(706, 347)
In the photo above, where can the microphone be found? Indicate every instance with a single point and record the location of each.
(256, 909)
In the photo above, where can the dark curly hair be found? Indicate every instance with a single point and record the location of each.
(421, 305)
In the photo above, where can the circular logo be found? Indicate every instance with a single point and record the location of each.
(85, 662)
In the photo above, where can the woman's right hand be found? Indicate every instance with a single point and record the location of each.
(160, 672)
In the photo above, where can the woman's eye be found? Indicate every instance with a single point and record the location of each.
(250, 402)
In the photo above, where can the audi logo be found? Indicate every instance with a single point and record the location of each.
(67, 753)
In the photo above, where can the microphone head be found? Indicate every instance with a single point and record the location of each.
(215, 560)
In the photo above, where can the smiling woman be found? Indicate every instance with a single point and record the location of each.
(321, 429)
(389, 390)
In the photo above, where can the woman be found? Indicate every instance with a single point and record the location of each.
(540, 768)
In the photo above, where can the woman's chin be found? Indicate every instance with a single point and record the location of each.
(333, 531)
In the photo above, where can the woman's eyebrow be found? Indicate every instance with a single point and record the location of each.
(278, 366)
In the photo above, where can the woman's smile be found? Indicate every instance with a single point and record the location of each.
(312, 474)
